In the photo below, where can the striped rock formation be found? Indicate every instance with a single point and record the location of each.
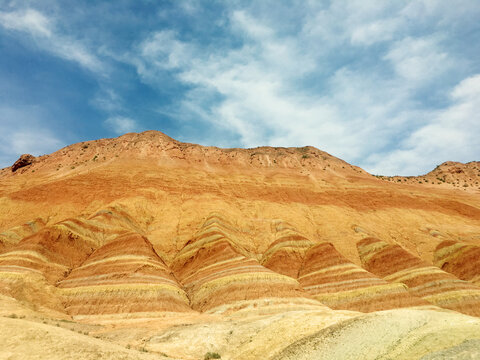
(49, 255)
(29, 271)
(462, 260)
(12, 236)
(123, 276)
(52, 251)
(217, 272)
(286, 254)
(340, 284)
(112, 222)
(440, 288)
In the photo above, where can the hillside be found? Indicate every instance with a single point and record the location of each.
(156, 246)
(449, 174)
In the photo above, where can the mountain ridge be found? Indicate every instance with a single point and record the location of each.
(185, 250)
(465, 176)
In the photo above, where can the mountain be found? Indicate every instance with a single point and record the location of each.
(447, 175)
(142, 246)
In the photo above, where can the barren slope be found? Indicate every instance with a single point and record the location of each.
(181, 250)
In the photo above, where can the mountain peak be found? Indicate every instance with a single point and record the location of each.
(157, 147)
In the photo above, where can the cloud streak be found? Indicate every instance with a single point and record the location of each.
(42, 30)
(451, 130)
(121, 125)
(389, 86)
(22, 131)
(355, 113)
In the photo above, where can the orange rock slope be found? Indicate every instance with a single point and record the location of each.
(460, 259)
(332, 279)
(397, 265)
(146, 227)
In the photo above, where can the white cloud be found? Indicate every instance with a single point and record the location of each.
(419, 59)
(33, 141)
(262, 101)
(24, 131)
(29, 20)
(244, 23)
(121, 125)
(42, 30)
(161, 51)
(374, 32)
(343, 23)
(468, 89)
(108, 100)
(449, 134)
(314, 79)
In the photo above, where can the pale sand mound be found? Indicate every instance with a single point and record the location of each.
(259, 331)
(393, 334)
(23, 340)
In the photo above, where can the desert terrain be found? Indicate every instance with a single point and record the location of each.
(144, 247)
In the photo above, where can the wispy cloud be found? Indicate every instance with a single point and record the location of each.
(42, 30)
(258, 90)
(418, 60)
(121, 125)
(108, 100)
(449, 133)
(28, 20)
(380, 84)
(23, 131)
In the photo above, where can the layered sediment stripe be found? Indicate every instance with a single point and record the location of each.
(340, 284)
(216, 272)
(123, 276)
(114, 221)
(286, 254)
(440, 288)
(462, 260)
(53, 251)
(28, 261)
(50, 254)
(11, 237)
(214, 230)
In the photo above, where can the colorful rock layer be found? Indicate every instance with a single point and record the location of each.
(395, 264)
(216, 271)
(462, 260)
(52, 251)
(30, 270)
(13, 236)
(123, 276)
(340, 284)
(49, 254)
(286, 254)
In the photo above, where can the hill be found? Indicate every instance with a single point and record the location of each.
(154, 245)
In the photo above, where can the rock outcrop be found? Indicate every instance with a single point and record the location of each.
(31, 269)
(23, 160)
(11, 237)
(329, 277)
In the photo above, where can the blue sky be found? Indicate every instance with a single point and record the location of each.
(391, 86)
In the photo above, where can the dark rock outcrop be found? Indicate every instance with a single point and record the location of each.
(23, 160)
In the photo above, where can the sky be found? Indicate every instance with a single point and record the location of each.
(391, 86)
